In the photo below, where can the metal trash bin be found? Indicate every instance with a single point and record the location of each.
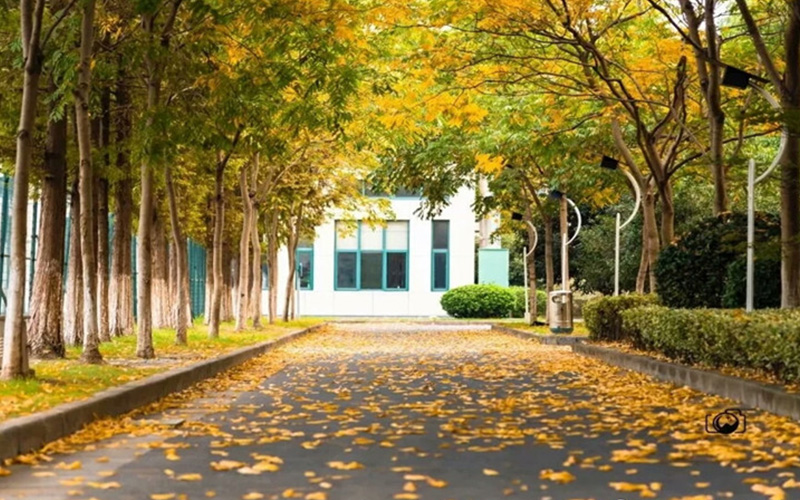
(560, 306)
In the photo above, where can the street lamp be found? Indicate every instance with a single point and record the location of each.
(736, 78)
(525, 255)
(613, 164)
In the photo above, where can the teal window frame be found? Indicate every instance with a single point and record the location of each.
(310, 252)
(439, 251)
(384, 260)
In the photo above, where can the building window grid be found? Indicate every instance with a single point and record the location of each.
(384, 260)
(440, 251)
(310, 282)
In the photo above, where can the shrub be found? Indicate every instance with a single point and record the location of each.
(767, 341)
(478, 301)
(691, 273)
(602, 315)
(518, 310)
(767, 291)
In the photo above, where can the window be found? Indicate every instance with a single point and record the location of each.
(440, 256)
(305, 265)
(264, 277)
(372, 258)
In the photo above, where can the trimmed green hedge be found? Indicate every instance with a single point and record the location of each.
(478, 301)
(602, 315)
(767, 340)
(518, 310)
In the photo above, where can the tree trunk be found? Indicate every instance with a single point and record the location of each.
(219, 219)
(209, 288)
(531, 258)
(667, 216)
(102, 220)
(641, 276)
(650, 228)
(161, 300)
(272, 265)
(91, 353)
(790, 224)
(179, 244)
(244, 253)
(121, 283)
(44, 326)
(15, 353)
(291, 248)
(228, 269)
(548, 260)
(73, 300)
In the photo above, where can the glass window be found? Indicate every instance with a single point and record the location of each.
(396, 270)
(264, 277)
(346, 237)
(372, 271)
(305, 264)
(346, 269)
(397, 235)
(441, 234)
(371, 239)
(440, 271)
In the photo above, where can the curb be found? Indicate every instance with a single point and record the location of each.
(754, 394)
(542, 339)
(29, 433)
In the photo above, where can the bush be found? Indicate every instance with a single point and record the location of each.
(478, 301)
(518, 311)
(767, 341)
(603, 319)
(767, 291)
(692, 272)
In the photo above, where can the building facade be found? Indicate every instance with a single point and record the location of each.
(400, 269)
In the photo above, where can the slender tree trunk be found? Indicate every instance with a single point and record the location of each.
(641, 276)
(179, 244)
(15, 353)
(548, 260)
(272, 265)
(102, 220)
(219, 219)
(209, 277)
(161, 300)
(229, 268)
(44, 327)
(73, 300)
(291, 248)
(667, 216)
(91, 353)
(244, 253)
(255, 289)
(121, 283)
(531, 258)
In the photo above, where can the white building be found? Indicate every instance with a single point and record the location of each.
(402, 269)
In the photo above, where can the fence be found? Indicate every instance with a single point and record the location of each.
(197, 254)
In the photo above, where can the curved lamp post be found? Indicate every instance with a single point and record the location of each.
(565, 239)
(525, 255)
(736, 78)
(613, 164)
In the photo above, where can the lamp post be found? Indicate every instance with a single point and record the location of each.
(613, 164)
(525, 255)
(565, 240)
(736, 78)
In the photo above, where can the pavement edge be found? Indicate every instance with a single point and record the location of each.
(29, 433)
(771, 398)
(542, 339)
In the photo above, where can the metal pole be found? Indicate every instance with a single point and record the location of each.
(751, 211)
(527, 283)
(616, 257)
(564, 246)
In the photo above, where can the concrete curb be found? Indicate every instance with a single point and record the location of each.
(29, 433)
(542, 339)
(771, 398)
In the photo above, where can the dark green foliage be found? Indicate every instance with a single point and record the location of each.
(767, 289)
(691, 273)
(767, 340)
(478, 301)
(519, 302)
(603, 315)
(594, 255)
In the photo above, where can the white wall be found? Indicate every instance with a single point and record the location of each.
(418, 300)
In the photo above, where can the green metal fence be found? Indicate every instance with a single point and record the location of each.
(197, 254)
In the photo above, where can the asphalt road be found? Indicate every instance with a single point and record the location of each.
(383, 412)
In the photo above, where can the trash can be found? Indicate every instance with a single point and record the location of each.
(560, 305)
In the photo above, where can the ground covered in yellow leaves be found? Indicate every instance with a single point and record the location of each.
(377, 412)
(61, 381)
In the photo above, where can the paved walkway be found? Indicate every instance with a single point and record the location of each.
(361, 412)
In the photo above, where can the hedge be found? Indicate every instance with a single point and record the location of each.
(766, 340)
(767, 289)
(518, 311)
(478, 301)
(602, 315)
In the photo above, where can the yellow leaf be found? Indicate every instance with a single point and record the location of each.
(162, 496)
(4, 472)
(223, 465)
(774, 492)
(562, 477)
(71, 466)
(436, 483)
(171, 454)
(345, 466)
(490, 472)
(211, 494)
(190, 477)
(317, 495)
(104, 486)
(253, 496)
(410, 487)
(406, 496)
